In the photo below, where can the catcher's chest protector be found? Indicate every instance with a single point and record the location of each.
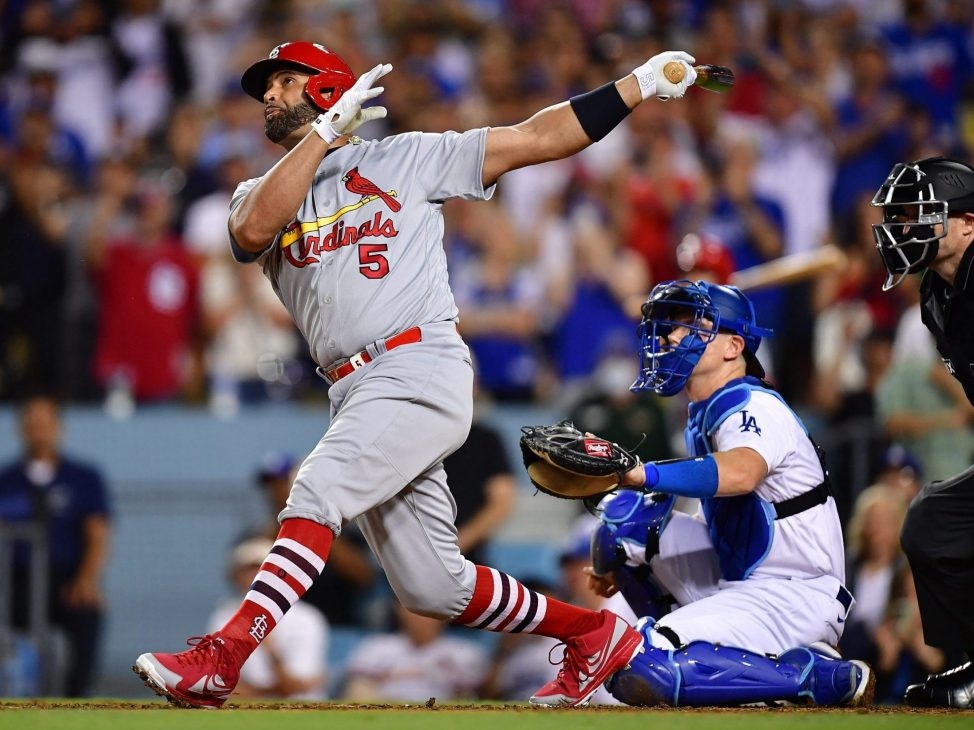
(741, 527)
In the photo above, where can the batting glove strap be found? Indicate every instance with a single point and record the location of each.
(652, 82)
(324, 128)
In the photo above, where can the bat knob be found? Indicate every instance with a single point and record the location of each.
(674, 72)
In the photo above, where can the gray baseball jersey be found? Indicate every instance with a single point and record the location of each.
(364, 257)
(363, 260)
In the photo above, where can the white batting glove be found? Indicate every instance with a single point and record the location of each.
(347, 114)
(652, 82)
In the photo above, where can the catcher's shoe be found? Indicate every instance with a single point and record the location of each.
(203, 676)
(828, 680)
(590, 659)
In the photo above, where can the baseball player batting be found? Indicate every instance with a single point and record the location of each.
(349, 232)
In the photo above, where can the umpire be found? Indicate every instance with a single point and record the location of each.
(928, 224)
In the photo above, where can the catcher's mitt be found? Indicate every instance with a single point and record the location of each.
(564, 462)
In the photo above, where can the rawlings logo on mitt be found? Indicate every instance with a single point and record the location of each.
(564, 462)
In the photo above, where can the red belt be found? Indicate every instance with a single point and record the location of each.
(336, 373)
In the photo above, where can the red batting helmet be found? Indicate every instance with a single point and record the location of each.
(329, 73)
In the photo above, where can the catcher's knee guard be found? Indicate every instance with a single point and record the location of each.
(630, 526)
(624, 542)
(702, 674)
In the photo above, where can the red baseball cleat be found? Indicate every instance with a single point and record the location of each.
(590, 659)
(203, 676)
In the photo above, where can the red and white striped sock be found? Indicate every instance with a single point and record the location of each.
(292, 566)
(501, 603)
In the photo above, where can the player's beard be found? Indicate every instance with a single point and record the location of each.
(279, 126)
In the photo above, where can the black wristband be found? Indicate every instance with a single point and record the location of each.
(600, 111)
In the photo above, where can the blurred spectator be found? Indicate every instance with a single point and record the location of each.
(884, 606)
(749, 225)
(417, 662)
(251, 345)
(931, 63)
(148, 310)
(846, 401)
(483, 486)
(704, 258)
(851, 343)
(344, 592)
(795, 167)
(230, 133)
(102, 209)
(854, 293)
(499, 301)
(650, 190)
(920, 405)
(918, 660)
(41, 139)
(210, 31)
(290, 663)
(635, 421)
(870, 132)
(173, 160)
(825, 92)
(151, 50)
(68, 42)
(69, 499)
(919, 410)
(32, 272)
(596, 293)
(726, 35)
(875, 560)
(901, 471)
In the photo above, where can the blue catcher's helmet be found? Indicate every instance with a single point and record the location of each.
(704, 309)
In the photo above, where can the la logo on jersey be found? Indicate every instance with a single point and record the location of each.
(304, 242)
(259, 628)
(749, 423)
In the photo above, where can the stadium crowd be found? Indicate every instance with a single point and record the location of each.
(123, 132)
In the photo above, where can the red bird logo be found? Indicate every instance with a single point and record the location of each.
(363, 186)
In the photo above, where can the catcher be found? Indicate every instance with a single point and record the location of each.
(743, 602)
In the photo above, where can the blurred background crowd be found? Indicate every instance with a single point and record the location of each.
(123, 132)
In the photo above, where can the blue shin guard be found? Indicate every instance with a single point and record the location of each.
(702, 674)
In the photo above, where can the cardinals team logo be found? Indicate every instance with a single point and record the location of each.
(303, 242)
(355, 183)
(258, 629)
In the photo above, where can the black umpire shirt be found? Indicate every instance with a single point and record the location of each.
(948, 312)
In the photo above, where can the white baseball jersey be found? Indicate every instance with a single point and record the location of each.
(808, 544)
(792, 597)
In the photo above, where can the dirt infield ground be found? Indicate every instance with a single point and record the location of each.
(125, 715)
(431, 704)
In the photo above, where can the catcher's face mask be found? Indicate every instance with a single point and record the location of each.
(914, 221)
(679, 321)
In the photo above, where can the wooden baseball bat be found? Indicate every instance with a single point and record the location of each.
(777, 272)
(709, 77)
(789, 269)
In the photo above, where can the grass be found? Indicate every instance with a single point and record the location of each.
(110, 715)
